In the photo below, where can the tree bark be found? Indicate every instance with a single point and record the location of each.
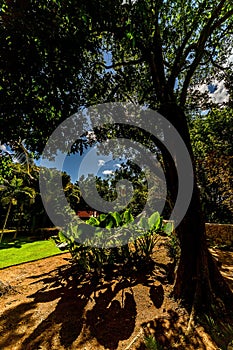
(198, 281)
(6, 219)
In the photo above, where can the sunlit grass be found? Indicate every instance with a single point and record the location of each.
(22, 250)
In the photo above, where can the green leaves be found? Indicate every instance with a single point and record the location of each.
(48, 77)
(5, 168)
(112, 220)
(118, 218)
(168, 228)
(212, 141)
(154, 221)
(127, 217)
(144, 223)
(93, 254)
(94, 221)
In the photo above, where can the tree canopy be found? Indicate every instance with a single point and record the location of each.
(56, 57)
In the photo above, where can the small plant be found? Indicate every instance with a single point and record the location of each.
(173, 247)
(173, 243)
(222, 333)
(152, 344)
(152, 229)
(145, 243)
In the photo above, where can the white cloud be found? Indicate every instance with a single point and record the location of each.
(3, 148)
(108, 172)
(91, 135)
(117, 165)
(202, 88)
(101, 162)
(220, 95)
(127, 2)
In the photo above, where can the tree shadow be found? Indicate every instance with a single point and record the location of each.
(16, 243)
(171, 332)
(68, 314)
(66, 318)
(157, 295)
(111, 319)
(111, 313)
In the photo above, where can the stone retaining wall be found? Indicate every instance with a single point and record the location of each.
(220, 234)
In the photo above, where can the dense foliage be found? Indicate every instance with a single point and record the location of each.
(212, 139)
(107, 188)
(57, 57)
(20, 200)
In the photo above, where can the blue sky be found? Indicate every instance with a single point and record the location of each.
(99, 165)
(88, 163)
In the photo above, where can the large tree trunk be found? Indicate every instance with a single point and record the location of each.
(198, 280)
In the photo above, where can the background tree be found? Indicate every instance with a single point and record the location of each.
(141, 193)
(14, 193)
(212, 141)
(5, 167)
(19, 177)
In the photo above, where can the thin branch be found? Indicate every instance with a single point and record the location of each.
(217, 65)
(112, 93)
(222, 19)
(204, 35)
(213, 53)
(179, 60)
(121, 64)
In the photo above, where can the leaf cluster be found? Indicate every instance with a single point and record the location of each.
(108, 250)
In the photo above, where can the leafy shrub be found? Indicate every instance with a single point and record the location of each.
(103, 248)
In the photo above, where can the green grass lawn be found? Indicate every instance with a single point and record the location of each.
(22, 250)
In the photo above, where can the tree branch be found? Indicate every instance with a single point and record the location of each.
(179, 60)
(222, 19)
(122, 64)
(204, 35)
(217, 65)
(156, 61)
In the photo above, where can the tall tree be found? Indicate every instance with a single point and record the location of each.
(175, 45)
(54, 56)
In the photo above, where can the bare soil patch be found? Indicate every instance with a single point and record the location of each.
(48, 307)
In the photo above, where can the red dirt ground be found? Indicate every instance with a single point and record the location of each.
(48, 309)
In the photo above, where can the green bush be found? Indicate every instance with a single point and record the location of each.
(103, 248)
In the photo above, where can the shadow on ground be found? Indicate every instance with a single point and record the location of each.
(110, 317)
(170, 333)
